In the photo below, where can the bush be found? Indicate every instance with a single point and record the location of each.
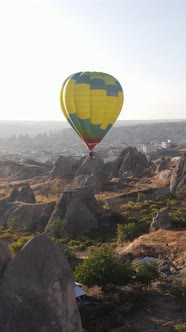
(56, 228)
(181, 194)
(180, 327)
(122, 217)
(138, 206)
(103, 268)
(146, 202)
(140, 196)
(12, 222)
(77, 245)
(178, 291)
(117, 217)
(178, 218)
(131, 231)
(129, 205)
(70, 254)
(146, 273)
(17, 245)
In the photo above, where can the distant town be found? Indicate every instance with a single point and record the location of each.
(46, 142)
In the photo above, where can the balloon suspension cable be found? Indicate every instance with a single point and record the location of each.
(91, 154)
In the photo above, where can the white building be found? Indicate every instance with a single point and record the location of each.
(166, 145)
(148, 148)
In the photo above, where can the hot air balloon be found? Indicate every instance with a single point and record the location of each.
(91, 102)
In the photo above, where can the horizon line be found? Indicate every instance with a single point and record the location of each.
(159, 119)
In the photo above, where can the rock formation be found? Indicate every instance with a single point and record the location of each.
(25, 216)
(90, 165)
(163, 165)
(14, 195)
(94, 182)
(165, 175)
(45, 215)
(20, 171)
(5, 256)
(161, 221)
(111, 169)
(79, 210)
(178, 176)
(37, 290)
(25, 194)
(132, 163)
(64, 167)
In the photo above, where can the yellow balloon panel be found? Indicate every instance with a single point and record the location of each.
(111, 111)
(82, 101)
(97, 103)
(117, 108)
(68, 96)
(62, 104)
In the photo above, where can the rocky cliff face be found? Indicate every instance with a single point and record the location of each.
(25, 216)
(25, 194)
(64, 167)
(132, 163)
(178, 176)
(163, 165)
(90, 165)
(20, 171)
(94, 182)
(5, 256)
(161, 221)
(79, 210)
(37, 290)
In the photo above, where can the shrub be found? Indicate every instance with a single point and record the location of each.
(140, 196)
(129, 205)
(116, 217)
(146, 202)
(17, 245)
(45, 191)
(146, 273)
(70, 254)
(138, 206)
(180, 327)
(143, 212)
(178, 218)
(146, 219)
(56, 228)
(77, 245)
(56, 189)
(181, 194)
(131, 231)
(12, 222)
(178, 291)
(122, 218)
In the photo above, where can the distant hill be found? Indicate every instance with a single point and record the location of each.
(55, 137)
(32, 128)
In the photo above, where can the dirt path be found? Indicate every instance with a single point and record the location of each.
(158, 314)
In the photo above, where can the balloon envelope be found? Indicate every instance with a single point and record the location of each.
(91, 102)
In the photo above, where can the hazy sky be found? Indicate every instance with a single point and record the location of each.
(140, 42)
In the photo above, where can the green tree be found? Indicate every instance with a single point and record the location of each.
(103, 268)
(178, 291)
(45, 191)
(56, 228)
